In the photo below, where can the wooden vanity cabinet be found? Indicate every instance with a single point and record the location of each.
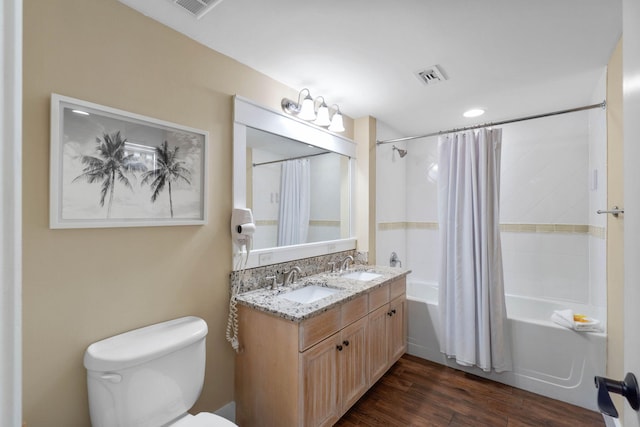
(334, 375)
(310, 373)
(354, 378)
(319, 371)
(397, 329)
(387, 329)
(378, 347)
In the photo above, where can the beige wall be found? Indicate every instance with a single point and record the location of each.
(365, 210)
(87, 284)
(615, 226)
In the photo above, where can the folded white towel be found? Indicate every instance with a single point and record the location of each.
(592, 325)
(565, 318)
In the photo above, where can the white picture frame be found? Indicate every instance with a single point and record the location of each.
(113, 168)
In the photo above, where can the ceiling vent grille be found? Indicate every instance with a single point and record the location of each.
(431, 75)
(197, 8)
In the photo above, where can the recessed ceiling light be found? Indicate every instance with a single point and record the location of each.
(83, 113)
(473, 113)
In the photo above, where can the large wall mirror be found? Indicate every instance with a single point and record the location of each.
(298, 181)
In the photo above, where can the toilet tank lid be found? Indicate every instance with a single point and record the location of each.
(144, 344)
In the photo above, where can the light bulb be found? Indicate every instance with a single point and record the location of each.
(306, 109)
(323, 116)
(336, 123)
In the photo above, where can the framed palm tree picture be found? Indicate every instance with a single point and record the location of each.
(112, 168)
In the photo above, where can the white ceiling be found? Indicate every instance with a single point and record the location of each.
(510, 57)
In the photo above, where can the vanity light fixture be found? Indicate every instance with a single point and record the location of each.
(337, 124)
(322, 118)
(305, 109)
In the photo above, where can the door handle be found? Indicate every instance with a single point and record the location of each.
(114, 378)
(627, 388)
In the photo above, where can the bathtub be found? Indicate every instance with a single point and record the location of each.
(547, 359)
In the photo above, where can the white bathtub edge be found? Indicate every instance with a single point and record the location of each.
(423, 343)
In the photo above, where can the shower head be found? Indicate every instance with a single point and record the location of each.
(400, 151)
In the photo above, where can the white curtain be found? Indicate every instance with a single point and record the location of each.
(295, 202)
(472, 305)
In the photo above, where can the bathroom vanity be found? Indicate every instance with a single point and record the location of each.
(306, 363)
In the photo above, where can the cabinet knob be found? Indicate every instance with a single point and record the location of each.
(389, 313)
(345, 342)
(393, 311)
(339, 347)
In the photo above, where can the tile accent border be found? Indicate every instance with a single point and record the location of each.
(597, 232)
(407, 225)
(312, 222)
(545, 228)
(324, 223)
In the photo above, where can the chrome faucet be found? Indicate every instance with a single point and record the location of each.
(332, 267)
(273, 280)
(286, 276)
(394, 260)
(344, 265)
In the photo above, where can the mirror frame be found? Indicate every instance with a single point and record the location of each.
(249, 114)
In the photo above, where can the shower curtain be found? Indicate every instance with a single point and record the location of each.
(472, 305)
(295, 202)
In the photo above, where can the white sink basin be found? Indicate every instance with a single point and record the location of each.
(308, 294)
(363, 276)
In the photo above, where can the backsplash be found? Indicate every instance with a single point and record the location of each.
(255, 278)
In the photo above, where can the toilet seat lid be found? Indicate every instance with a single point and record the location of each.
(203, 419)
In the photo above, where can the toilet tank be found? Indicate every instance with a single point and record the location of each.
(146, 377)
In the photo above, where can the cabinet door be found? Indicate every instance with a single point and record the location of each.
(378, 347)
(319, 372)
(397, 329)
(353, 364)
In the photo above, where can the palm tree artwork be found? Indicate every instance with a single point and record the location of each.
(169, 170)
(111, 163)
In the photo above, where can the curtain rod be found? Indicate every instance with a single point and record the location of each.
(603, 105)
(291, 158)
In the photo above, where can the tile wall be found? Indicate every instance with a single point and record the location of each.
(553, 242)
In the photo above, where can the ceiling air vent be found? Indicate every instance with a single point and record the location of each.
(431, 75)
(197, 8)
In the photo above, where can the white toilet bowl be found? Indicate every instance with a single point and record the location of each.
(150, 377)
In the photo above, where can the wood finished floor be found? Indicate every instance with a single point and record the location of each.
(416, 392)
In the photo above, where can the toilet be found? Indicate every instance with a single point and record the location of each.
(150, 377)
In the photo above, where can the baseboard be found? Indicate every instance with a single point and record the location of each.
(228, 411)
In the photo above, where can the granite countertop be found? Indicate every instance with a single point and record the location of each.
(268, 300)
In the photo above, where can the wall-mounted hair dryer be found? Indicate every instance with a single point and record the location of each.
(242, 227)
